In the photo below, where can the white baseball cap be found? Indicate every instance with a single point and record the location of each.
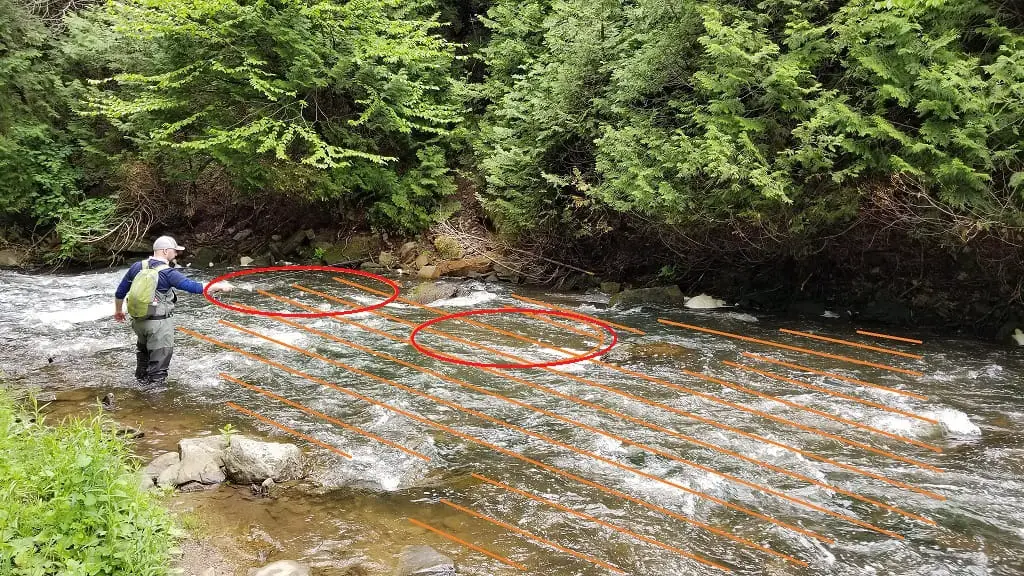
(166, 242)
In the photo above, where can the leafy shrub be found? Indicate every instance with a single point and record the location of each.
(71, 503)
(785, 112)
(328, 100)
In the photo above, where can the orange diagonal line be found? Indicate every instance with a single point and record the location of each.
(897, 338)
(832, 392)
(820, 412)
(295, 433)
(552, 469)
(533, 537)
(647, 401)
(458, 540)
(553, 307)
(792, 348)
(619, 529)
(572, 422)
(747, 409)
(854, 344)
(817, 431)
(837, 377)
(606, 410)
(323, 416)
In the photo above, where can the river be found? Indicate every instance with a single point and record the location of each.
(663, 460)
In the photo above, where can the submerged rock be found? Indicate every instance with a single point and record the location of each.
(649, 351)
(424, 561)
(283, 568)
(667, 295)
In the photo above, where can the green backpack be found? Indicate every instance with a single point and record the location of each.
(142, 294)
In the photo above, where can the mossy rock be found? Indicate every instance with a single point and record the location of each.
(362, 247)
(666, 295)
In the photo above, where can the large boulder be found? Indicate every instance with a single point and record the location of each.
(666, 295)
(283, 568)
(248, 461)
(207, 446)
(464, 266)
(424, 561)
(292, 244)
(11, 259)
(205, 257)
(432, 291)
(355, 249)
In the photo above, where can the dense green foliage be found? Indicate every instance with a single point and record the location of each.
(770, 112)
(789, 115)
(305, 97)
(70, 502)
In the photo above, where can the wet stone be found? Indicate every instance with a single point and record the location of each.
(424, 561)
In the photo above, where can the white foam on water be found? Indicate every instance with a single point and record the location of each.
(899, 425)
(64, 319)
(739, 316)
(288, 337)
(955, 423)
(389, 483)
(466, 301)
(608, 444)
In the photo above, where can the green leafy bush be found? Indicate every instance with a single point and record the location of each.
(322, 99)
(71, 502)
(785, 113)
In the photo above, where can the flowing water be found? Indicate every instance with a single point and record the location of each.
(672, 473)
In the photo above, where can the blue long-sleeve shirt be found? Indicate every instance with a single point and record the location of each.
(169, 278)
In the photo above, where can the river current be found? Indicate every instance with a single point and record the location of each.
(670, 455)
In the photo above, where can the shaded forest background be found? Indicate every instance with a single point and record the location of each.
(856, 152)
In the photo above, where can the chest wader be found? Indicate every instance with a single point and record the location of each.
(156, 340)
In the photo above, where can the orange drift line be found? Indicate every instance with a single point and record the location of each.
(792, 348)
(649, 402)
(552, 469)
(741, 407)
(619, 529)
(819, 412)
(616, 413)
(838, 377)
(897, 338)
(831, 392)
(854, 344)
(288, 430)
(572, 422)
(553, 307)
(458, 540)
(817, 431)
(534, 537)
(589, 428)
(323, 416)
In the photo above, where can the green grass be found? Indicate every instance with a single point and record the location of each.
(70, 501)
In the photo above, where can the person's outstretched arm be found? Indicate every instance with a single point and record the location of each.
(182, 282)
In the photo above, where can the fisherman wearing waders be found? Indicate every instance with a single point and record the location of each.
(148, 287)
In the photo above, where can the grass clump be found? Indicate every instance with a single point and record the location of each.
(71, 501)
